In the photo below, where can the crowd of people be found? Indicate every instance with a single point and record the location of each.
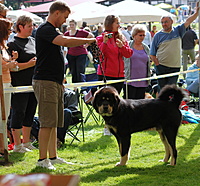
(41, 61)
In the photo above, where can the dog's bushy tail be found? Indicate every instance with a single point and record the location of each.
(172, 93)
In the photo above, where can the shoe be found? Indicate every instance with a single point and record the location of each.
(107, 132)
(45, 164)
(60, 161)
(20, 149)
(29, 146)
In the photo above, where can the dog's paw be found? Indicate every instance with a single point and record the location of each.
(119, 164)
(164, 161)
(169, 165)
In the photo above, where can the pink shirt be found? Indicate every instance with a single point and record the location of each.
(79, 50)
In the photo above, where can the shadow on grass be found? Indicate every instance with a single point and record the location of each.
(101, 143)
(15, 157)
(144, 175)
(183, 170)
(40, 170)
(190, 143)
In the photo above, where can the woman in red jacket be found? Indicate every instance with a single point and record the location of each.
(114, 47)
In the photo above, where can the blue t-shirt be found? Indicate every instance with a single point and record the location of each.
(166, 46)
(50, 58)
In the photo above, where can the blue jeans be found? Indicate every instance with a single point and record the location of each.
(194, 86)
(160, 70)
(61, 132)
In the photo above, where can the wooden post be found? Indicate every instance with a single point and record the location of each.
(199, 50)
(3, 115)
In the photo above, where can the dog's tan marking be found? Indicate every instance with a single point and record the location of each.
(168, 150)
(124, 158)
(166, 145)
(111, 127)
(108, 113)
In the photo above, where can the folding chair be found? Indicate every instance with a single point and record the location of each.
(87, 96)
(72, 103)
(76, 126)
(72, 115)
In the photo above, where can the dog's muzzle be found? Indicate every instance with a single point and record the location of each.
(105, 110)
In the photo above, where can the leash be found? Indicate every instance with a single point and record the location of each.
(97, 53)
(102, 70)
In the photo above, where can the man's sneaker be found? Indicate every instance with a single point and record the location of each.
(29, 146)
(45, 164)
(60, 161)
(21, 149)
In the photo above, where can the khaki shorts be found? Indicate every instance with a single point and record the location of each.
(49, 95)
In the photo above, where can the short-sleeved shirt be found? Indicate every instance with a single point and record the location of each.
(26, 51)
(78, 50)
(188, 40)
(139, 63)
(166, 46)
(50, 58)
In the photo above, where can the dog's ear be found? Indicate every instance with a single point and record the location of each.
(116, 103)
(95, 101)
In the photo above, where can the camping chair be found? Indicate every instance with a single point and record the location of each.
(76, 126)
(87, 96)
(71, 102)
(74, 120)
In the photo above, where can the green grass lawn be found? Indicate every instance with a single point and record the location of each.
(94, 160)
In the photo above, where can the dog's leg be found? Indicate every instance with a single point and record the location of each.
(166, 144)
(124, 148)
(171, 137)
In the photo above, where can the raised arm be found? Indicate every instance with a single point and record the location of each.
(191, 18)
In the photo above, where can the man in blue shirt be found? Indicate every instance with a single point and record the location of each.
(166, 48)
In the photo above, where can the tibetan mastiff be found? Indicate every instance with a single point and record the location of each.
(126, 116)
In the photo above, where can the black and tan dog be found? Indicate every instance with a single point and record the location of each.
(124, 117)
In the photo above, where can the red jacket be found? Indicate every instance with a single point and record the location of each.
(112, 57)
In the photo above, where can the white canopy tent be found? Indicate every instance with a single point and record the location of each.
(85, 9)
(129, 11)
(14, 14)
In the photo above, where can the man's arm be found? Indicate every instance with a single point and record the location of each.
(191, 18)
(72, 41)
(196, 41)
(90, 35)
(154, 59)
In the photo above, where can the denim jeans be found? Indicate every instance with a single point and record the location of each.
(61, 132)
(160, 70)
(194, 86)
